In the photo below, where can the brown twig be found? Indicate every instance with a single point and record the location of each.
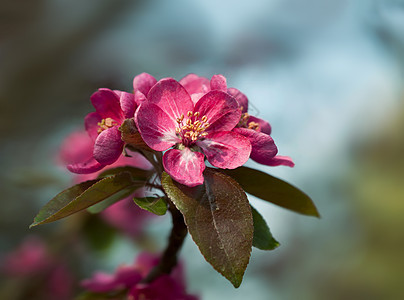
(169, 258)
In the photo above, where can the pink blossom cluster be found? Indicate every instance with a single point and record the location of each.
(190, 121)
(129, 279)
(39, 272)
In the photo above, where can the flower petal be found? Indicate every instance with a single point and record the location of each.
(76, 148)
(108, 146)
(263, 146)
(139, 98)
(195, 84)
(107, 105)
(171, 97)
(221, 110)
(281, 161)
(128, 105)
(226, 149)
(143, 83)
(156, 127)
(91, 124)
(100, 283)
(264, 125)
(88, 167)
(184, 166)
(240, 97)
(218, 82)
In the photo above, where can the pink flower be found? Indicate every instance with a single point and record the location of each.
(32, 262)
(166, 287)
(123, 215)
(112, 108)
(29, 259)
(170, 118)
(255, 129)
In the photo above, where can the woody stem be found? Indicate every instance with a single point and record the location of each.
(170, 255)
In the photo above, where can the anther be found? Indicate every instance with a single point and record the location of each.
(196, 114)
(204, 118)
(189, 114)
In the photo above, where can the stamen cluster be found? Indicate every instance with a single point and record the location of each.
(105, 124)
(193, 128)
(245, 124)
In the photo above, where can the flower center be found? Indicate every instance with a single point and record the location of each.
(243, 123)
(193, 128)
(105, 124)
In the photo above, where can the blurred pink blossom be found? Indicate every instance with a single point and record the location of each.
(166, 287)
(33, 262)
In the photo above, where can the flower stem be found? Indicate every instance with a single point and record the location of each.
(169, 258)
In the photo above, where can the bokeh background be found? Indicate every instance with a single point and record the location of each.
(327, 74)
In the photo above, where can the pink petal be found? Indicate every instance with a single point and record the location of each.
(263, 146)
(184, 166)
(107, 105)
(91, 124)
(171, 97)
(88, 167)
(139, 98)
(108, 146)
(143, 83)
(76, 148)
(128, 275)
(226, 149)
(100, 283)
(281, 161)
(264, 125)
(128, 105)
(218, 82)
(195, 84)
(156, 127)
(240, 97)
(221, 110)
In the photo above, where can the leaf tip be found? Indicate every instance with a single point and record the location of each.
(32, 225)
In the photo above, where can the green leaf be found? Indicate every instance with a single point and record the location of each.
(263, 238)
(273, 190)
(157, 206)
(99, 207)
(136, 173)
(219, 219)
(81, 196)
(139, 176)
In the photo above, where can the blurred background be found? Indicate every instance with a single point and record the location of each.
(327, 75)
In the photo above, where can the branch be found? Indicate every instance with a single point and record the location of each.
(169, 258)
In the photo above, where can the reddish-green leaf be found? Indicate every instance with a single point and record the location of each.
(219, 219)
(273, 190)
(81, 196)
(263, 238)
